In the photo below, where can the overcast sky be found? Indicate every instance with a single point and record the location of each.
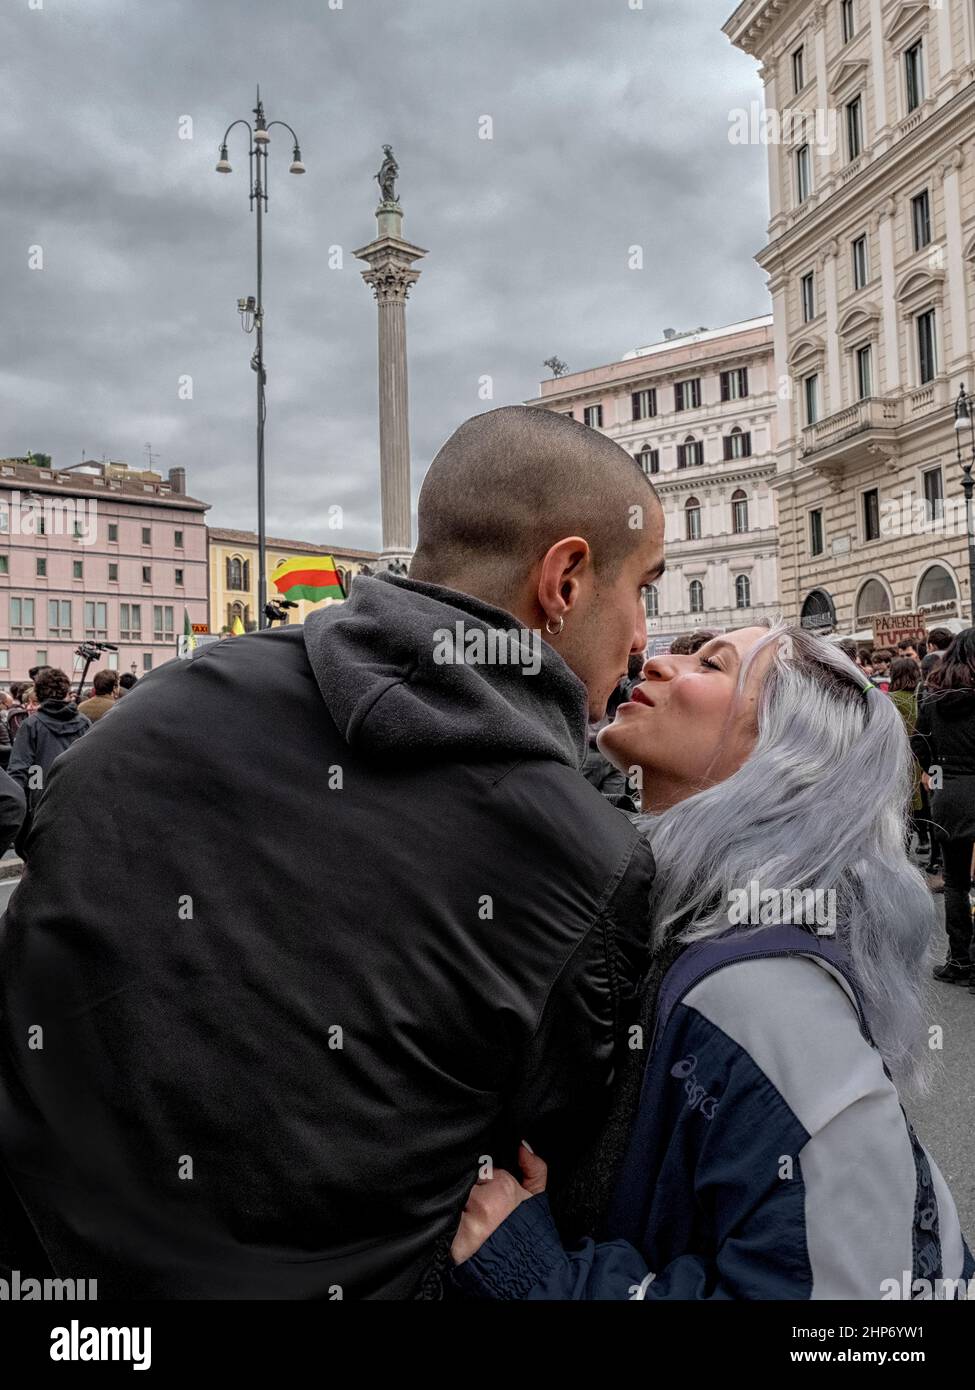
(610, 128)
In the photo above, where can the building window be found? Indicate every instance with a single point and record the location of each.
(848, 15)
(178, 540)
(803, 174)
(687, 394)
(59, 617)
(113, 531)
(799, 69)
(653, 601)
(692, 514)
(40, 527)
(690, 454)
(40, 656)
(734, 384)
(873, 599)
(130, 622)
(927, 347)
(147, 661)
(921, 220)
(864, 362)
(861, 273)
(937, 586)
(649, 460)
(738, 444)
(235, 572)
(147, 535)
(816, 543)
(77, 569)
(162, 623)
(739, 512)
(871, 515)
(4, 564)
(112, 572)
(4, 659)
(811, 390)
(76, 531)
(807, 286)
(695, 593)
(179, 579)
(934, 494)
(743, 591)
(146, 574)
(593, 416)
(96, 621)
(854, 128)
(914, 75)
(644, 404)
(41, 565)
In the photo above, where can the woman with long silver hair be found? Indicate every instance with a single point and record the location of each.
(756, 1147)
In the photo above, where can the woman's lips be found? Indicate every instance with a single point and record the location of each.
(637, 697)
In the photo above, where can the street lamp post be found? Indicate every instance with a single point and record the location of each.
(965, 422)
(251, 309)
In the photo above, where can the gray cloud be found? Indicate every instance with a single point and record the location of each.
(610, 128)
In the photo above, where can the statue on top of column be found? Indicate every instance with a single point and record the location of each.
(386, 178)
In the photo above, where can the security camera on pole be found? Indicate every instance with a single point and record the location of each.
(390, 260)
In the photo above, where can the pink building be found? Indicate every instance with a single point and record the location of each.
(101, 553)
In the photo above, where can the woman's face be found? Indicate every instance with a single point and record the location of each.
(683, 726)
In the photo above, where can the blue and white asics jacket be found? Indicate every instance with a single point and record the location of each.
(770, 1157)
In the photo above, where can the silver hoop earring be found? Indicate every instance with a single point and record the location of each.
(554, 631)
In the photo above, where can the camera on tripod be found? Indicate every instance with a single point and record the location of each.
(89, 652)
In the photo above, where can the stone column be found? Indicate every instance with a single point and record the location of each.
(391, 276)
(878, 76)
(833, 394)
(883, 224)
(957, 285)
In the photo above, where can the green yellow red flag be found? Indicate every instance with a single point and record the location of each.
(310, 577)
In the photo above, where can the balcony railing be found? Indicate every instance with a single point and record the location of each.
(849, 435)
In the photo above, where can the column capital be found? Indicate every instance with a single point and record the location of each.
(829, 252)
(952, 161)
(391, 283)
(886, 208)
(390, 274)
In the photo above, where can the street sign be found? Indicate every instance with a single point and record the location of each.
(891, 628)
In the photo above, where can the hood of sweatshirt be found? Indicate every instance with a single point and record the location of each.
(414, 669)
(62, 716)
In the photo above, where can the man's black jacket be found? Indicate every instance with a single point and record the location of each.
(313, 926)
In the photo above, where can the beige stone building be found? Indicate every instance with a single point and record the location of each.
(233, 574)
(869, 120)
(698, 413)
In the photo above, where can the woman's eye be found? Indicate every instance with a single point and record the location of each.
(711, 665)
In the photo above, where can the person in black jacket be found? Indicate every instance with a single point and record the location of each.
(349, 923)
(945, 747)
(12, 808)
(54, 726)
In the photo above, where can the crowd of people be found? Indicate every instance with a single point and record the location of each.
(459, 1024)
(39, 719)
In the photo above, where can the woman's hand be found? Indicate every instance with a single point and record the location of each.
(492, 1200)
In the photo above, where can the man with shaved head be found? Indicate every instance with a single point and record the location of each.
(352, 923)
